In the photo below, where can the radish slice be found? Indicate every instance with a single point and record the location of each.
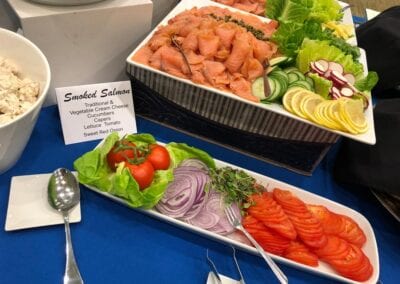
(335, 93)
(338, 78)
(322, 67)
(334, 66)
(327, 74)
(316, 68)
(350, 78)
(324, 64)
(346, 92)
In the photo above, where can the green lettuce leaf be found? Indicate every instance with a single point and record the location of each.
(142, 139)
(298, 11)
(367, 83)
(92, 167)
(313, 50)
(326, 10)
(181, 151)
(288, 10)
(125, 186)
(322, 86)
(289, 37)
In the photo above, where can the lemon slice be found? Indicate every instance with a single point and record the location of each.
(287, 98)
(308, 105)
(295, 103)
(353, 112)
(322, 117)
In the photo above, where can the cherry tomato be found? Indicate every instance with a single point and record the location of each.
(159, 157)
(143, 173)
(118, 154)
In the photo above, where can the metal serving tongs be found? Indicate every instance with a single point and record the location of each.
(215, 271)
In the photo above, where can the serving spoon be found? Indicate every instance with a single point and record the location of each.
(63, 195)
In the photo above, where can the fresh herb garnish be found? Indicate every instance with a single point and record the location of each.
(236, 185)
(259, 34)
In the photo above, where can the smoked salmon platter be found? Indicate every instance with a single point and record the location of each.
(365, 242)
(212, 59)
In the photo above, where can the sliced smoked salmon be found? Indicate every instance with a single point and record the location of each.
(212, 46)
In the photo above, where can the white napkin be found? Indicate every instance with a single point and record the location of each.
(28, 206)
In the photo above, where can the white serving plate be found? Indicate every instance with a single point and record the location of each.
(368, 137)
(370, 247)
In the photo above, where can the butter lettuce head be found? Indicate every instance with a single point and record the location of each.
(93, 170)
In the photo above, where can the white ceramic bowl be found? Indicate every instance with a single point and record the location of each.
(32, 64)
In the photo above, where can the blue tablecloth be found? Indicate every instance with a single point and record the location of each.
(115, 244)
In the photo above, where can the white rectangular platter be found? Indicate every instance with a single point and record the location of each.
(370, 247)
(368, 137)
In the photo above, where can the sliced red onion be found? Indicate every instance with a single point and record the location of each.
(194, 163)
(205, 220)
(185, 196)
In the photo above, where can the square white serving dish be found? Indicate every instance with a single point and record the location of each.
(230, 110)
(28, 206)
(370, 247)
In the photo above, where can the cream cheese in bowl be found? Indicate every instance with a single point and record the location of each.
(24, 83)
(17, 94)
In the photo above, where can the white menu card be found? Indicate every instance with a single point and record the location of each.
(90, 112)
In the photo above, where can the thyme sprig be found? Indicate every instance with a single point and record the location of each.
(259, 34)
(236, 185)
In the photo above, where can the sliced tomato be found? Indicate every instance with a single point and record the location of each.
(355, 265)
(339, 225)
(269, 240)
(300, 253)
(271, 214)
(362, 273)
(350, 262)
(335, 248)
(352, 232)
(308, 227)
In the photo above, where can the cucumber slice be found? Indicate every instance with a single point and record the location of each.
(292, 77)
(257, 88)
(290, 69)
(279, 60)
(283, 80)
(277, 89)
(299, 74)
(302, 84)
(311, 81)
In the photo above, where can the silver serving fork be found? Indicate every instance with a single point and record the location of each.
(236, 222)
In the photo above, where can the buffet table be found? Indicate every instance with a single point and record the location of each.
(115, 244)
